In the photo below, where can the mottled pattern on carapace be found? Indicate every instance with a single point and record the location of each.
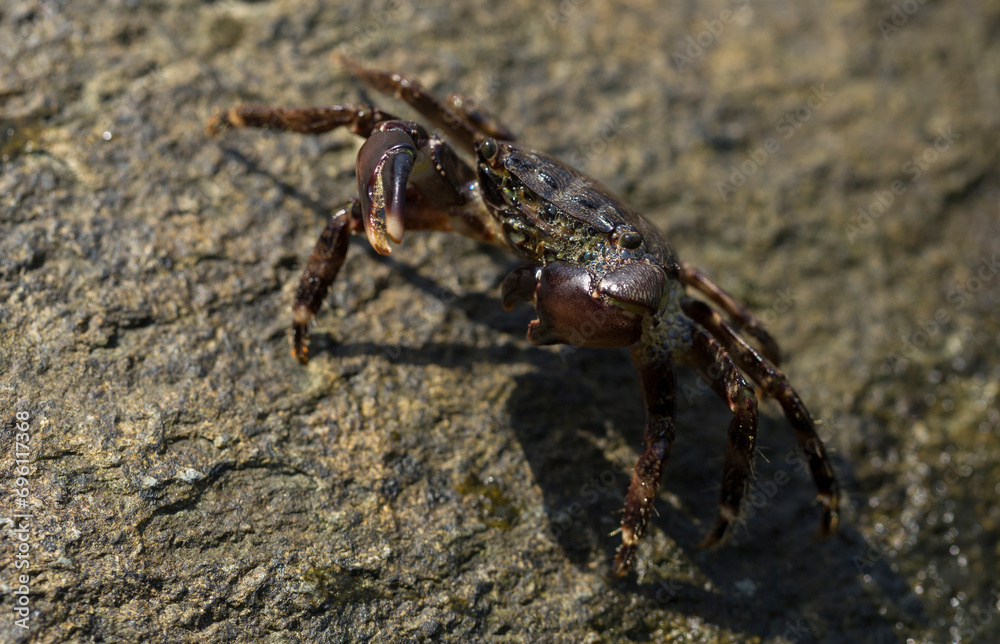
(554, 213)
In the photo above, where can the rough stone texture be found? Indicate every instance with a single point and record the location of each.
(430, 475)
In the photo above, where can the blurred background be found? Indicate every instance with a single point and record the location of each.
(431, 476)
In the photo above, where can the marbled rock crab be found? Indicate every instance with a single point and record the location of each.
(597, 272)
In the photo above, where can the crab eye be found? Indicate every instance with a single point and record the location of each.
(489, 149)
(629, 240)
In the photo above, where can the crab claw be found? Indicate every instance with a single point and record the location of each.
(576, 308)
(384, 165)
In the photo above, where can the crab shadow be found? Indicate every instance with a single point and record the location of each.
(772, 578)
(579, 406)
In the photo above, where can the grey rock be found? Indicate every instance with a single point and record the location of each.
(430, 476)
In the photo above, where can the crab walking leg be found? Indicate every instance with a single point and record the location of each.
(748, 322)
(714, 366)
(775, 383)
(388, 153)
(327, 257)
(656, 373)
(460, 120)
(362, 119)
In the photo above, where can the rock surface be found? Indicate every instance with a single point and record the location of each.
(430, 476)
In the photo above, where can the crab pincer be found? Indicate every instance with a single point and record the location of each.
(383, 169)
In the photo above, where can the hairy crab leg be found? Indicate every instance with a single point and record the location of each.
(320, 272)
(715, 367)
(460, 121)
(384, 162)
(361, 119)
(747, 321)
(484, 123)
(776, 384)
(328, 257)
(656, 374)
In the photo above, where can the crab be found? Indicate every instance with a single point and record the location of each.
(597, 272)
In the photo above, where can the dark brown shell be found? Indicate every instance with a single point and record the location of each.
(582, 198)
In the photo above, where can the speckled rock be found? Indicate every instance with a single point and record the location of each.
(430, 476)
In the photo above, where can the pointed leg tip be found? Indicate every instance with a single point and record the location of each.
(224, 121)
(300, 335)
(346, 61)
(828, 525)
(720, 530)
(830, 520)
(710, 542)
(623, 561)
(217, 125)
(300, 349)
